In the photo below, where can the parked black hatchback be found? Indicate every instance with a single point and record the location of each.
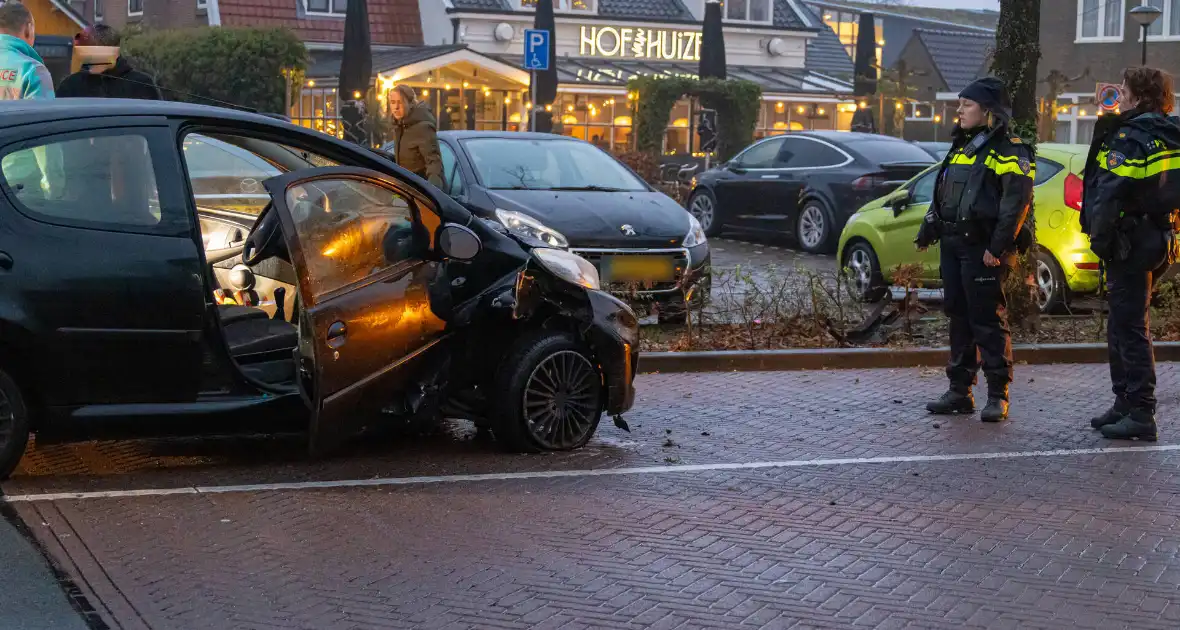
(135, 303)
(570, 194)
(805, 184)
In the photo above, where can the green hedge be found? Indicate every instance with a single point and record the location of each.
(242, 66)
(736, 102)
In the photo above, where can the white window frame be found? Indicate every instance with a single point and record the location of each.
(564, 6)
(1164, 20)
(331, 12)
(131, 12)
(98, 10)
(769, 14)
(910, 108)
(1103, 38)
(202, 4)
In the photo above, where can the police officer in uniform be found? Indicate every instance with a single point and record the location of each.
(1129, 206)
(981, 203)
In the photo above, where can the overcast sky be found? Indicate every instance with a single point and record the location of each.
(958, 4)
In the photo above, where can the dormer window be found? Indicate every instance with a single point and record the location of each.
(753, 11)
(565, 6)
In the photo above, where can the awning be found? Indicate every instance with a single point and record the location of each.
(573, 72)
(409, 61)
(608, 73)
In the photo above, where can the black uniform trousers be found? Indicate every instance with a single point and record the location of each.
(1129, 285)
(975, 304)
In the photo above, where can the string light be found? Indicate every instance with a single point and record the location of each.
(311, 83)
(425, 93)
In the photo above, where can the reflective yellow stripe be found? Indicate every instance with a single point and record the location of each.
(960, 158)
(1012, 166)
(1158, 163)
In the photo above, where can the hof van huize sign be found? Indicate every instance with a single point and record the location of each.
(652, 44)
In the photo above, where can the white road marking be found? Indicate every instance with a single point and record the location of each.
(557, 474)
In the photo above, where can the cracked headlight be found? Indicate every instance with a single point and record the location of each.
(524, 225)
(569, 267)
(696, 234)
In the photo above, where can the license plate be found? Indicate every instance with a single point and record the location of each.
(637, 269)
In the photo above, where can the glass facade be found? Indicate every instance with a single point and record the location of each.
(846, 25)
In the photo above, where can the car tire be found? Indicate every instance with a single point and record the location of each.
(863, 271)
(1052, 289)
(14, 425)
(815, 228)
(703, 205)
(541, 370)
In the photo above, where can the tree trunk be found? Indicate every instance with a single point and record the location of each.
(1015, 63)
(1018, 50)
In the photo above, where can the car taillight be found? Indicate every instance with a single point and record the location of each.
(1073, 192)
(868, 182)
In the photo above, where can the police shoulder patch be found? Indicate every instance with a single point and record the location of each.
(1025, 165)
(1115, 159)
(1015, 140)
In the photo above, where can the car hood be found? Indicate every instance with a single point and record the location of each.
(596, 219)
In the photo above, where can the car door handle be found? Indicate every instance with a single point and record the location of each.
(770, 177)
(5, 261)
(337, 334)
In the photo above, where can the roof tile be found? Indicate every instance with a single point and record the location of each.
(959, 56)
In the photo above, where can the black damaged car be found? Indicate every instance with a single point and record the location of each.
(136, 305)
(572, 195)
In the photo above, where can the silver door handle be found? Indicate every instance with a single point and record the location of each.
(770, 177)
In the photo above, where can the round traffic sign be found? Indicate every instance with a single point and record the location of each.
(1108, 99)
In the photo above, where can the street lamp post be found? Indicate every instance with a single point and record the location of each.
(1145, 15)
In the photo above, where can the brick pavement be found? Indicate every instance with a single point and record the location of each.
(1082, 541)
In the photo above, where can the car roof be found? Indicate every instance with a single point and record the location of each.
(844, 136)
(508, 135)
(34, 111)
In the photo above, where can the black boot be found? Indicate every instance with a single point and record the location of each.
(1116, 412)
(1138, 425)
(996, 409)
(954, 401)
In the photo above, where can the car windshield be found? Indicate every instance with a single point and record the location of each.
(226, 177)
(521, 163)
(886, 151)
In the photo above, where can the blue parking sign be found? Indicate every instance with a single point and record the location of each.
(536, 50)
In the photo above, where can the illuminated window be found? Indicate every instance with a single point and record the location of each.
(919, 111)
(846, 26)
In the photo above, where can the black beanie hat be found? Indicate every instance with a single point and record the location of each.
(991, 94)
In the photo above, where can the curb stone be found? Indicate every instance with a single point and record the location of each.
(868, 358)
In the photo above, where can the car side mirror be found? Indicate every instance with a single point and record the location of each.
(458, 242)
(900, 200)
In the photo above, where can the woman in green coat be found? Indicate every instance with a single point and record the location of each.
(415, 135)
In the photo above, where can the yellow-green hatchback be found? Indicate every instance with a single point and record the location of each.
(880, 236)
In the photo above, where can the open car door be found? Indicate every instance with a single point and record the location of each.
(357, 242)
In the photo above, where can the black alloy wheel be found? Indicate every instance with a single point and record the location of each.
(561, 400)
(550, 395)
(14, 425)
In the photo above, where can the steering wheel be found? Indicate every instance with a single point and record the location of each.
(265, 239)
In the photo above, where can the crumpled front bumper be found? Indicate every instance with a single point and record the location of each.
(614, 336)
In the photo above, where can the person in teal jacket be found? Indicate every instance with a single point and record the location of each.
(22, 71)
(23, 75)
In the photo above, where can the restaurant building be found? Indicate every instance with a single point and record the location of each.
(472, 76)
